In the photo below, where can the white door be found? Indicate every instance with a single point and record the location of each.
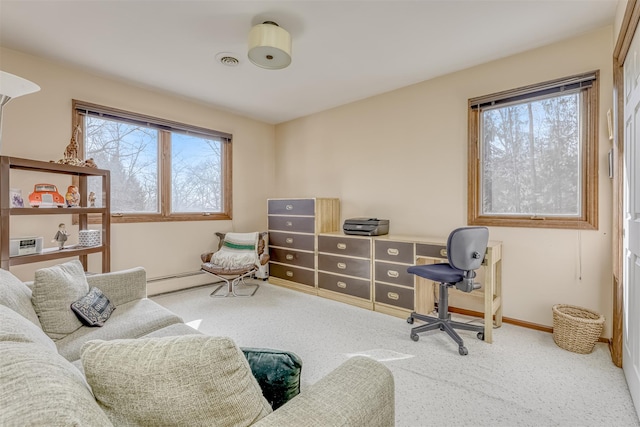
(631, 223)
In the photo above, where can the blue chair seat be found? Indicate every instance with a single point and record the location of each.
(441, 273)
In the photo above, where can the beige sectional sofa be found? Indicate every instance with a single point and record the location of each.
(144, 366)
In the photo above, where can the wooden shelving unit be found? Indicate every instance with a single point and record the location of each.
(82, 173)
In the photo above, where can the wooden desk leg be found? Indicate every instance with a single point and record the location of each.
(489, 289)
(498, 288)
(424, 300)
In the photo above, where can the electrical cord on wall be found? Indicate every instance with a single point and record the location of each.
(579, 256)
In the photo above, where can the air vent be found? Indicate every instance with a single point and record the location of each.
(227, 59)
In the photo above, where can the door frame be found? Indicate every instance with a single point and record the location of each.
(627, 31)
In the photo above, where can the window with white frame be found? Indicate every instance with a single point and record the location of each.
(533, 155)
(160, 170)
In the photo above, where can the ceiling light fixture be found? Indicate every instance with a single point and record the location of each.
(12, 86)
(270, 46)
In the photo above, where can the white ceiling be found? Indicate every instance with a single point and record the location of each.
(342, 51)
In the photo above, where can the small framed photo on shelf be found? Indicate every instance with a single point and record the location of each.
(15, 195)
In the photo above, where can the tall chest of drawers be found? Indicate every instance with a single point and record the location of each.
(293, 226)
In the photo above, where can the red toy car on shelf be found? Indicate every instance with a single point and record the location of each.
(46, 196)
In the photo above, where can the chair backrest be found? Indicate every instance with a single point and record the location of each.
(466, 247)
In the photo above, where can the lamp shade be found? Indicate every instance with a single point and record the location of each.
(269, 46)
(12, 86)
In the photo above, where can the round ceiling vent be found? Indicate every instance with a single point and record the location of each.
(228, 59)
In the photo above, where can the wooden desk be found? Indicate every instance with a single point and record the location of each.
(371, 272)
(487, 300)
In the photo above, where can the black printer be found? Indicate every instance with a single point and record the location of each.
(366, 226)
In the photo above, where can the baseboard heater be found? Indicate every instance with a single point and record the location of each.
(175, 276)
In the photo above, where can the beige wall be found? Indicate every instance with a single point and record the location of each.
(38, 126)
(402, 156)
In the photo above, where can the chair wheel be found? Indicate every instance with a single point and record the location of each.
(414, 337)
(442, 327)
(463, 350)
(410, 320)
(480, 336)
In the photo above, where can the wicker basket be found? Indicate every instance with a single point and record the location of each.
(575, 328)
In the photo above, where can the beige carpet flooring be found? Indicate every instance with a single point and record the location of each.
(522, 379)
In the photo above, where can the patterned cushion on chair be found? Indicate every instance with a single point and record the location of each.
(237, 251)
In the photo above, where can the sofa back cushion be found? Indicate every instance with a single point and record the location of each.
(14, 327)
(40, 388)
(54, 289)
(17, 296)
(37, 385)
(193, 380)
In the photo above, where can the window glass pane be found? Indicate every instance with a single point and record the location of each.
(130, 152)
(531, 158)
(196, 174)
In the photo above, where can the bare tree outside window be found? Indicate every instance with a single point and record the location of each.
(533, 155)
(196, 165)
(130, 152)
(531, 158)
(160, 170)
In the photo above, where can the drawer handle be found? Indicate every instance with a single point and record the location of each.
(289, 207)
(443, 252)
(342, 285)
(289, 257)
(342, 246)
(394, 296)
(392, 273)
(342, 265)
(289, 224)
(289, 273)
(393, 251)
(289, 240)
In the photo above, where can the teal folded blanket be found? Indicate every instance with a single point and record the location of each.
(277, 372)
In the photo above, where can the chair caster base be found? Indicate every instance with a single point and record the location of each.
(463, 350)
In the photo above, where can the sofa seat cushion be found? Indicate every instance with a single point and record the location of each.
(54, 289)
(17, 296)
(193, 380)
(131, 320)
(41, 388)
(15, 328)
(175, 330)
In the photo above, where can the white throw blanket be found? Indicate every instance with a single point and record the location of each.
(238, 250)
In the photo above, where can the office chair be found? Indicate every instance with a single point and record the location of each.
(239, 256)
(465, 251)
